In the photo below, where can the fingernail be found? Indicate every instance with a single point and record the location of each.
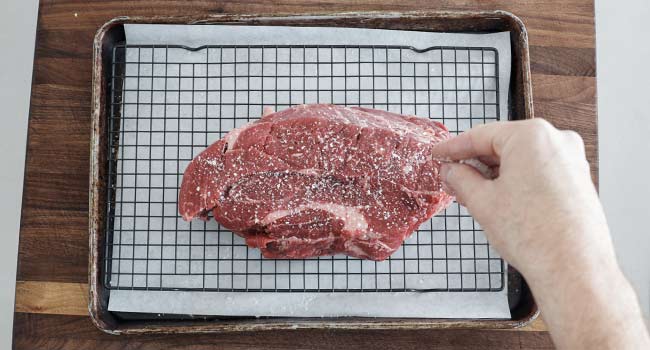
(445, 169)
(447, 190)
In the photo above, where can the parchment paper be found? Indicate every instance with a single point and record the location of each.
(371, 304)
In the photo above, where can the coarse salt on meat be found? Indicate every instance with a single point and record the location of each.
(317, 180)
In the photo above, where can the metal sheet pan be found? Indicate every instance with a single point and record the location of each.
(523, 307)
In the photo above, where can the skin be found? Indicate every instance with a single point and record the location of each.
(542, 214)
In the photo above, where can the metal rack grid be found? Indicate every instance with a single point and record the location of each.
(168, 103)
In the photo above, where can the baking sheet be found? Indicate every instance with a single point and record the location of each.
(384, 304)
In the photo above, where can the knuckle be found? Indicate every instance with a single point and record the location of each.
(539, 125)
(575, 144)
(539, 134)
(574, 137)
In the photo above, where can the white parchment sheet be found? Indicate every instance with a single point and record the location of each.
(177, 101)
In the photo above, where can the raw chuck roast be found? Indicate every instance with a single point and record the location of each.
(317, 180)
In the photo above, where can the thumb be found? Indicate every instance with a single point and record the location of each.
(467, 184)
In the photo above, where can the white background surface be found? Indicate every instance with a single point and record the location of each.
(624, 129)
(623, 53)
(16, 55)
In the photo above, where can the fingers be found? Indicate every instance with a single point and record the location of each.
(485, 170)
(490, 161)
(482, 141)
(470, 188)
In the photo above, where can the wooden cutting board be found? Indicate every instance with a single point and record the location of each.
(51, 292)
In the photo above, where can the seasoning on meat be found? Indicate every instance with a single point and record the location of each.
(317, 180)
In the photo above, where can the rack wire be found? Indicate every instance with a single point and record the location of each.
(169, 102)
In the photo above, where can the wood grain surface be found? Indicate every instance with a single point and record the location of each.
(51, 298)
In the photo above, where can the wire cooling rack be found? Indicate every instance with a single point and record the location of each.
(170, 102)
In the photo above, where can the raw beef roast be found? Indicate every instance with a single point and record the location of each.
(320, 180)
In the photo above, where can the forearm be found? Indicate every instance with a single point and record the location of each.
(590, 305)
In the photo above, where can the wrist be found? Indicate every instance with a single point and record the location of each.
(576, 254)
(591, 305)
(574, 275)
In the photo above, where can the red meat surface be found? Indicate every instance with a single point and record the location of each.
(317, 180)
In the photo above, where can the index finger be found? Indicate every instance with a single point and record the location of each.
(484, 140)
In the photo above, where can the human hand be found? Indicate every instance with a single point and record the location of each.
(542, 207)
(542, 214)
